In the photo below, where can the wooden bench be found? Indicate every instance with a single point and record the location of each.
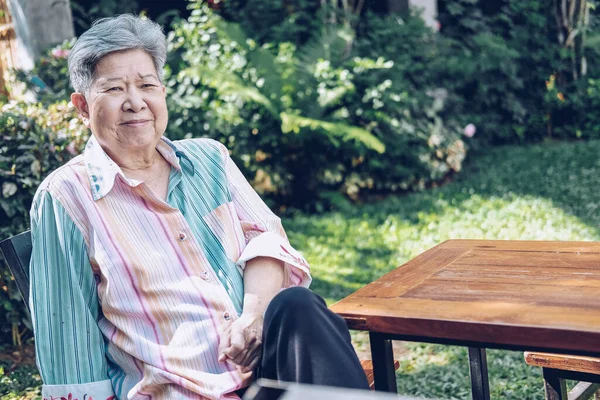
(367, 366)
(557, 367)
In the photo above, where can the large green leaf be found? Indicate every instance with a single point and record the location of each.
(258, 56)
(228, 84)
(293, 123)
(330, 45)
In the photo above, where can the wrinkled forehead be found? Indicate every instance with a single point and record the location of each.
(126, 65)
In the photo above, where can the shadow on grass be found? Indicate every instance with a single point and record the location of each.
(567, 174)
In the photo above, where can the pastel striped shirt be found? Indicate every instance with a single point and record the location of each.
(129, 293)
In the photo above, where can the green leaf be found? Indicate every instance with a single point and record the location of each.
(291, 122)
(228, 84)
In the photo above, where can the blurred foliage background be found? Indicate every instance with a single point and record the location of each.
(328, 106)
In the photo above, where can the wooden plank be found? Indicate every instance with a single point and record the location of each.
(540, 259)
(519, 274)
(412, 273)
(516, 291)
(366, 310)
(521, 326)
(523, 245)
(589, 365)
(367, 366)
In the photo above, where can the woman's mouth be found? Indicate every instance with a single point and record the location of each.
(136, 123)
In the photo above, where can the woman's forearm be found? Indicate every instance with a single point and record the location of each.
(263, 279)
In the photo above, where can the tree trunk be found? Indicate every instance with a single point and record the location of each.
(572, 17)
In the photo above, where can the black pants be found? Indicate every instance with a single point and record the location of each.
(304, 342)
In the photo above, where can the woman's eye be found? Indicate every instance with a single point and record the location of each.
(148, 85)
(114, 89)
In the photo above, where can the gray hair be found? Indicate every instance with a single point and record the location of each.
(107, 35)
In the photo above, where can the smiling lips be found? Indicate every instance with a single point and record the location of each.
(136, 122)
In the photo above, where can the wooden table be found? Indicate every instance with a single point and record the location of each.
(514, 295)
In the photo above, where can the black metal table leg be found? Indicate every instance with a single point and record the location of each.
(554, 385)
(480, 386)
(383, 363)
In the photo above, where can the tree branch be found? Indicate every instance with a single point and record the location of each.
(359, 7)
(561, 36)
(572, 8)
(563, 12)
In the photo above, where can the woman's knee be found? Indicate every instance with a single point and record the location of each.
(296, 299)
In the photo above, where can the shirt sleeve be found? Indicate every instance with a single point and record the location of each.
(70, 349)
(263, 231)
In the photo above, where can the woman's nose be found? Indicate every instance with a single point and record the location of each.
(134, 101)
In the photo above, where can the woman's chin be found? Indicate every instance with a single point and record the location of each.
(140, 140)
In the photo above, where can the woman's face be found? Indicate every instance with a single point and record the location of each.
(126, 106)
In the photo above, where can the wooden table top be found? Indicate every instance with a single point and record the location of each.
(522, 295)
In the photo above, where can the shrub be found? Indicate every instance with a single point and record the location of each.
(274, 20)
(417, 115)
(311, 119)
(35, 140)
(49, 78)
(505, 55)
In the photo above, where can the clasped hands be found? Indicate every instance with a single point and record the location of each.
(241, 342)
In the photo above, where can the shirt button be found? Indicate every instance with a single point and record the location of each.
(226, 316)
(182, 236)
(204, 275)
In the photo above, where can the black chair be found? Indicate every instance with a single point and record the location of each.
(17, 253)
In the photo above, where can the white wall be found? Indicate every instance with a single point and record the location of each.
(429, 9)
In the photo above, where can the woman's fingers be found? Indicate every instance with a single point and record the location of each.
(238, 347)
(251, 361)
(224, 344)
(241, 342)
(254, 345)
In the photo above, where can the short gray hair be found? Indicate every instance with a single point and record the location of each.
(107, 35)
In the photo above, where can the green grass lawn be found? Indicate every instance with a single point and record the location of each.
(548, 191)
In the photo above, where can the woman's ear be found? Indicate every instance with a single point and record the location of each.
(79, 101)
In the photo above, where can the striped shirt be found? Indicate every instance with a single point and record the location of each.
(130, 293)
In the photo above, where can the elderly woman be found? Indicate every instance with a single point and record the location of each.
(156, 270)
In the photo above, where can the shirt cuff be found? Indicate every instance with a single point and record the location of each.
(101, 390)
(269, 244)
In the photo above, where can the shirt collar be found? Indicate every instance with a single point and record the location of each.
(102, 170)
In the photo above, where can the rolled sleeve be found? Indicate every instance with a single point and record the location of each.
(269, 244)
(263, 231)
(101, 390)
